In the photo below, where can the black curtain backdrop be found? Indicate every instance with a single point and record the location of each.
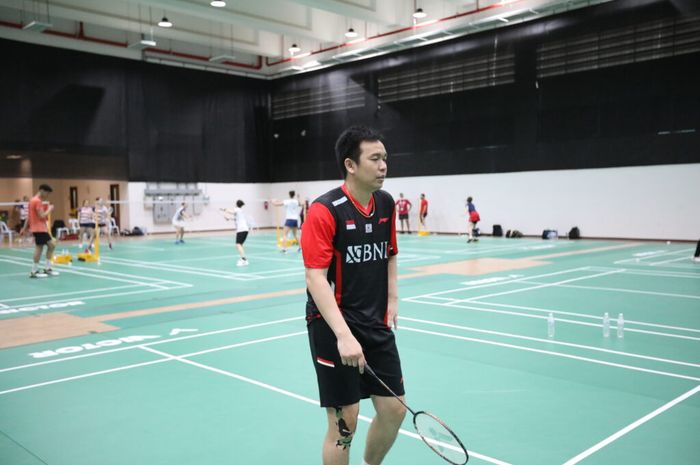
(145, 122)
(619, 116)
(155, 123)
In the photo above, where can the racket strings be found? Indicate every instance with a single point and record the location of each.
(440, 438)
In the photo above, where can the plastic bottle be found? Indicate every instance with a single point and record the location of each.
(620, 326)
(606, 325)
(550, 325)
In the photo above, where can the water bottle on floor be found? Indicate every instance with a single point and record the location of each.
(606, 325)
(620, 326)
(550, 325)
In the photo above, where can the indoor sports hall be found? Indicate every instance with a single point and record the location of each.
(170, 159)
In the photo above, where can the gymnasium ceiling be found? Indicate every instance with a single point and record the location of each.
(253, 38)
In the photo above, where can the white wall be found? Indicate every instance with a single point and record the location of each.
(210, 219)
(649, 202)
(12, 189)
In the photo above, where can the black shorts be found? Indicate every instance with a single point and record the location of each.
(423, 215)
(41, 238)
(403, 216)
(341, 385)
(241, 237)
(87, 225)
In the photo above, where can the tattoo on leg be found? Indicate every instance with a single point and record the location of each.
(343, 430)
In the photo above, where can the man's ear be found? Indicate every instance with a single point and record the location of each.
(350, 166)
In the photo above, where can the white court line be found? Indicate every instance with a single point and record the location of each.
(181, 338)
(87, 291)
(642, 260)
(514, 291)
(551, 341)
(308, 400)
(136, 365)
(669, 261)
(124, 245)
(182, 269)
(656, 273)
(615, 289)
(586, 315)
(632, 426)
(548, 352)
(65, 269)
(102, 271)
(93, 297)
(499, 283)
(543, 317)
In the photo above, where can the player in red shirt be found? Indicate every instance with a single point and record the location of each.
(39, 211)
(423, 212)
(404, 206)
(349, 248)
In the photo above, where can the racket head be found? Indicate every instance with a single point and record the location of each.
(440, 438)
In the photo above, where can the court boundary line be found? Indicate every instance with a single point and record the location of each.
(101, 271)
(585, 315)
(632, 426)
(65, 269)
(555, 354)
(308, 400)
(631, 291)
(190, 336)
(551, 341)
(544, 317)
(532, 288)
(140, 364)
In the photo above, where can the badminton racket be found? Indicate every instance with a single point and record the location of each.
(432, 430)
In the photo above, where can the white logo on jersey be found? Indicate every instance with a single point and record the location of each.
(368, 228)
(367, 252)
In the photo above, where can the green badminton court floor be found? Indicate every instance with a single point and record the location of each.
(170, 354)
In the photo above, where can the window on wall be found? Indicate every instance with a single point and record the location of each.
(448, 77)
(631, 44)
(339, 96)
(73, 193)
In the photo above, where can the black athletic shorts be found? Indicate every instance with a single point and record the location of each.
(340, 385)
(241, 237)
(41, 238)
(403, 216)
(87, 225)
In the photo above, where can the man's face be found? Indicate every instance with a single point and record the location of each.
(43, 195)
(370, 171)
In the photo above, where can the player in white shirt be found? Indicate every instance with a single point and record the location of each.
(86, 219)
(241, 224)
(291, 218)
(179, 223)
(103, 213)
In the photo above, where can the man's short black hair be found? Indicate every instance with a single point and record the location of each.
(239, 203)
(348, 144)
(45, 188)
(291, 194)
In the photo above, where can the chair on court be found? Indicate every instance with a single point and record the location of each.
(5, 231)
(113, 226)
(59, 229)
(74, 225)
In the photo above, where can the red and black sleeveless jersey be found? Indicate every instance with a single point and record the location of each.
(355, 244)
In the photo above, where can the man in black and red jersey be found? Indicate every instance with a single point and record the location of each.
(349, 248)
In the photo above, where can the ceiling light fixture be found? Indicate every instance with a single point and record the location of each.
(294, 49)
(351, 34)
(13, 157)
(165, 23)
(419, 13)
(218, 3)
